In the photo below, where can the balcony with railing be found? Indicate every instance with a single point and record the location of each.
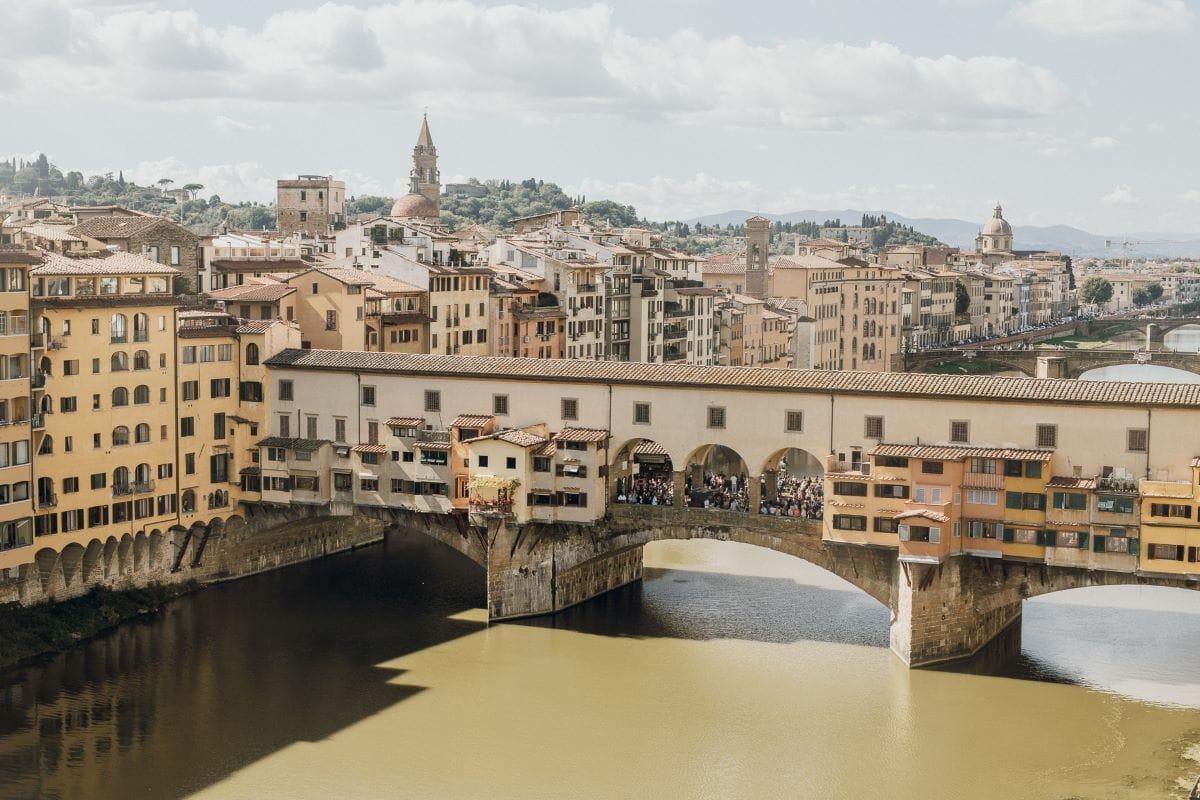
(671, 354)
(47, 500)
(122, 489)
(143, 487)
(674, 332)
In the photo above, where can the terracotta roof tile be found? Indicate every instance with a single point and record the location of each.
(471, 420)
(924, 513)
(116, 227)
(581, 435)
(959, 452)
(121, 263)
(369, 448)
(1070, 482)
(293, 444)
(406, 422)
(251, 293)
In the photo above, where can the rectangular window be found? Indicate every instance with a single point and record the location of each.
(1137, 440)
(1165, 552)
(331, 320)
(510, 462)
(982, 497)
(285, 390)
(1033, 469)
(873, 427)
(850, 488)
(983, 466)
(885, 525)
(541, 464)
(190, 390)
(368, 395)
(932, 467)
(848, 522)
(891, 461)
(1013, 469)
(219, 387)
(570, 408)
(794, 422)
(1114, 505)
(716, 416)
(67, 404)
(436, 458)
(99, 480)
(285, 425)
(641, 413)
(219, 426)
(483, 461)
(189, 354)
(1070, 501)
(1170, 510)
(433, 400)
(500, 405)
(960, 431)
(898, 491)
(1047, 435)
(187, 426)
(189, 464)
(339, 429)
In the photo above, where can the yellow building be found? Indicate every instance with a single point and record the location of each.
(330, 304)
(458, 311)
(1170, 525)
(16, 497)
(104, 437)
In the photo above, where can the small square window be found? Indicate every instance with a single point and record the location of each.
(716, 416)
(794, 422)
(1137, 440)
(510, 462)
(960, 431)
(641, 413)
(483, 461)
(500, 405)
(873, 427)
(570, 408)
(368, 395)
(433, 400)
(285, 390)
(1047, 435)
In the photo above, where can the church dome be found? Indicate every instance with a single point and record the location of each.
(415, 206)
(997, 225)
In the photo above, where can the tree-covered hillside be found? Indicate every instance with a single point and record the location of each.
(202, 215)
(500, 201)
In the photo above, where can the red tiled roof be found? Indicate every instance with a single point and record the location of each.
(581, 435)
(406, 422)
(882, 384)
(959, 452)
(471, 420)
(1070, 482)
(369, 448)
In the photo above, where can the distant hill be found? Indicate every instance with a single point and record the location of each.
(961, 233)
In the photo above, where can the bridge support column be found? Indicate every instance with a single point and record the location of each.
(754, 492)
(770, 480)
(680, 479)
(943, 612)
(541, 569)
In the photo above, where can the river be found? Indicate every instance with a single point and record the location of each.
(729, 672)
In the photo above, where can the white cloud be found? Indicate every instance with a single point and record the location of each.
(1103, 142)
(397, 54)
(1190, 196)
(1103, 17)
(230, 125)
(231, 181)
(1121, 195)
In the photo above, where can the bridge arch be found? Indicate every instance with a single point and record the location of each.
(792, 484)
(642, 471)
(717, 476)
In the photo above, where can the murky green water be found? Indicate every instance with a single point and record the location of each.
(730, 672)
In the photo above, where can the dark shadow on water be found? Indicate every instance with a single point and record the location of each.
(167, 706)
(685, 604)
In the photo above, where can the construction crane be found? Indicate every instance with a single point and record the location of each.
(1127, 244)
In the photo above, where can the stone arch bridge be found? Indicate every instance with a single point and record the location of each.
(938, 612)
(1063, 363)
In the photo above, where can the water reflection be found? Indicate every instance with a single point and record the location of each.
(730, 671)
(1142, 373)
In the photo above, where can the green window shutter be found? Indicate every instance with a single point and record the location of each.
(1045, 538)
(1008, 534)
(1083, 541)
(1098, 543)
(1012, 500)
(1135, 546)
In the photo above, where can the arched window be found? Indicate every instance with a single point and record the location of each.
(120, 480)
(252, 353)
(120, 436)
(45, 366)
(188, 501)
(141, 360)
(141, 328)
(141, 475)
(118, 327)
(47, 446)
(47, 406)
(141, 395)
(141, 434)
(120, 396)
(120, 361)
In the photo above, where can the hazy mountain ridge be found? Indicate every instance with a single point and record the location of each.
(961, 233)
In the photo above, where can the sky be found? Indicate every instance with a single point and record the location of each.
(1078, 112)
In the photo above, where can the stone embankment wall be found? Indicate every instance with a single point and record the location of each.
(266, 539)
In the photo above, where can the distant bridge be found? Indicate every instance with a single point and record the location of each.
(1063, 363)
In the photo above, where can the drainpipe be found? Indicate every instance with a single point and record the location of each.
(831, 418)
(1149, 415)
(607, 465)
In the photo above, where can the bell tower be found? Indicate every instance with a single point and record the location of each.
(758, 246)
(425, 178)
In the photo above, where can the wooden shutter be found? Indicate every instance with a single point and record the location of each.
(1012, 500)
(1192, 554)
(1008, 534)
(1135, 546)
(1083, 541)
(1098, 543)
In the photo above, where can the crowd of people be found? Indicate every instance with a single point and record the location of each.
(646, 490)
(795, 496)
(726, 492)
